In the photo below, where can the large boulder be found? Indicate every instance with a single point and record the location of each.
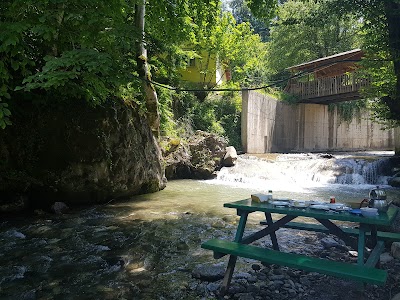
(207, 152)
(177, 159)
(77, 154)
(197, 158)
(230, 157)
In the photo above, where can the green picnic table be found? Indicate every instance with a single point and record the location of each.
(365, 270)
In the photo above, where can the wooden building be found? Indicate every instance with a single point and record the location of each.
(327, 80)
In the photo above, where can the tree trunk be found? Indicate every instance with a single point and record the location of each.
(153, 115)
(60, 18)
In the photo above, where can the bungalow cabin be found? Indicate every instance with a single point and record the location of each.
(205, 70)
(327, 80)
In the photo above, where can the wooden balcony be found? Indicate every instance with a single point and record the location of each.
(326, 90)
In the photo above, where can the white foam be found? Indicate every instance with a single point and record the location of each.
(299, 172)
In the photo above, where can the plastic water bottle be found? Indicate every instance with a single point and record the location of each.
(269, 195)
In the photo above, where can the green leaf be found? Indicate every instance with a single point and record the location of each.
(2, 124)
(6, 112)
(18, 88)
(14, 65)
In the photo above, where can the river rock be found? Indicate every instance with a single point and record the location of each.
(395, 250)
(242, 275)
(208, 272)
(278, 283)
(230, 157)
(244, 296)
(277, 277)
(305, 281)
(213, 287)
(395, 180)
(292, 292)
(59, 208)
(197, 158)
(207, 152)
(385, 258)
(78, 154)
(252, 288)
(236, 288)
(396, 297)
(329, 243)
(177, 159)
(261, 276)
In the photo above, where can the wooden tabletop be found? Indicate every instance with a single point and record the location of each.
(252, 206)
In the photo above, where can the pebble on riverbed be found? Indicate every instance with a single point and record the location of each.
(209, 272)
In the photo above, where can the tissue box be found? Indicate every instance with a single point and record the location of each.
(259, 198)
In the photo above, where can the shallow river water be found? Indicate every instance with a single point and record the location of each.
(144, 247)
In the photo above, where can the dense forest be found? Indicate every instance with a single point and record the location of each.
(53, 51)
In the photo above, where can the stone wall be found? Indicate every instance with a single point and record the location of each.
(269, 125)
(77, 154)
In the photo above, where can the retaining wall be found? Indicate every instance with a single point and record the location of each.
(269, 125)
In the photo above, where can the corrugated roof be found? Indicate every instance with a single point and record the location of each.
(348, 54)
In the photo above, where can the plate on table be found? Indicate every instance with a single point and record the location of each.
(338, 207)
(280, 203)
(319, 206)
(300, 204)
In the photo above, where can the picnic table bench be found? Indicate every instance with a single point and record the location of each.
(364, 271)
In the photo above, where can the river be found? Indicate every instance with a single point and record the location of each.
(145, 247)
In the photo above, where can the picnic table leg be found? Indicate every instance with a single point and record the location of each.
(361, 245)
(374, 235)
(361, 252)
(232, 258)
(274, 240)
(374, 241)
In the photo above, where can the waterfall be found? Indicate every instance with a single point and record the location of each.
(358, 171)
(290, 171)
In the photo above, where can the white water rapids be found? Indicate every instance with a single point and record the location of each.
(298, 172)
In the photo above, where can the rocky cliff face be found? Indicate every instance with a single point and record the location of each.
(77, 154)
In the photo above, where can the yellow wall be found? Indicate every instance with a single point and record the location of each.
(201, 72)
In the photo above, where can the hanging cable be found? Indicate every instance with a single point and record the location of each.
(309, 71)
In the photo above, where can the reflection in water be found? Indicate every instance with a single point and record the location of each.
(144, 248)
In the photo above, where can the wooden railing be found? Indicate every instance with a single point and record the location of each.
(341, 84)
